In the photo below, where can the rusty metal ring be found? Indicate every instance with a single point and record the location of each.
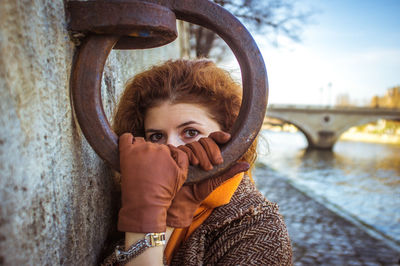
(89, 65)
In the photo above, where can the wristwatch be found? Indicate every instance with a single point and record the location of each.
(150, 240)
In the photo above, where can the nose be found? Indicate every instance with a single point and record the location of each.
(175, 140)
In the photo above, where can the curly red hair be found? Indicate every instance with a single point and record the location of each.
(197, 81)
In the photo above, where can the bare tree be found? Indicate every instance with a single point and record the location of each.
(267, 17)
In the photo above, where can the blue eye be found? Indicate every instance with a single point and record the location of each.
(191, 133)
(156, 137)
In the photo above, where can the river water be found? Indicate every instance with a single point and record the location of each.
(360, 180)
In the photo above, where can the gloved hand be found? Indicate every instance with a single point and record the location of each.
(206, 152)
(189, 197)
(151, 174)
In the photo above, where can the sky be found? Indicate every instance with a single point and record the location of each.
(348, 47)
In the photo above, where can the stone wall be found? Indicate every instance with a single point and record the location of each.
(58, 200)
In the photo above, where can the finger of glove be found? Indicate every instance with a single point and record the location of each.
(127, 139)
(201, 155)
(203, 189)
(212, 150)
(179, 156)
(192, 158)
(220, 137)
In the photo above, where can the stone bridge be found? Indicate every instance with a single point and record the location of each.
(323, 125)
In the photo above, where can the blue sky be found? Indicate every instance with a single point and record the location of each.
(349, 47)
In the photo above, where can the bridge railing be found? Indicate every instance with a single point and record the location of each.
(328, 107)
(333, 109)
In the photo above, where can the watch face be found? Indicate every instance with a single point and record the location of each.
(156, 239)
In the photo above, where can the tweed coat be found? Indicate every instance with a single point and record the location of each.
(247, 231)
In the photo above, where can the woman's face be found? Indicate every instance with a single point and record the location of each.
(178, 124)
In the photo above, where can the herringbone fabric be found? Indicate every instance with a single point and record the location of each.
(247, 231)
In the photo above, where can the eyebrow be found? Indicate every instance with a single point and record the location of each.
(152, 130)
(179, 126)
(188, 123)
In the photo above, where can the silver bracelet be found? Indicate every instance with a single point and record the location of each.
(150, 240)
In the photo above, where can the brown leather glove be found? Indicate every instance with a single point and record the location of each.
(151, 174)
(189, 197)
(206, 152)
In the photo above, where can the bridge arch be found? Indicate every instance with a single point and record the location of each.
(300, 128)
(359, 123)
(304, 129)
(322, 127)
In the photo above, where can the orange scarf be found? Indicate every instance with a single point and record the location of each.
(220, 196)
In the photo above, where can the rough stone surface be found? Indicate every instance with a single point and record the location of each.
(58, 200)
(320, 236)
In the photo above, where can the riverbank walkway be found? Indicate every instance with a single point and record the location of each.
(319, 236)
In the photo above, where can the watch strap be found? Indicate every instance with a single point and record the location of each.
(150, 240)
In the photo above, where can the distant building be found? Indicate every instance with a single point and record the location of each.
(343, 100)
(390, 100)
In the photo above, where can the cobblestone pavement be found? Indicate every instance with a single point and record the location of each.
(318, 235)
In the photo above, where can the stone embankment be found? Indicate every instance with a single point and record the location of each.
(373, 138)
(320, 236)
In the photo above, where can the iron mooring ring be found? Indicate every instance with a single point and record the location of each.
(151, 23)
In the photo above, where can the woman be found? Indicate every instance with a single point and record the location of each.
(179, 112)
